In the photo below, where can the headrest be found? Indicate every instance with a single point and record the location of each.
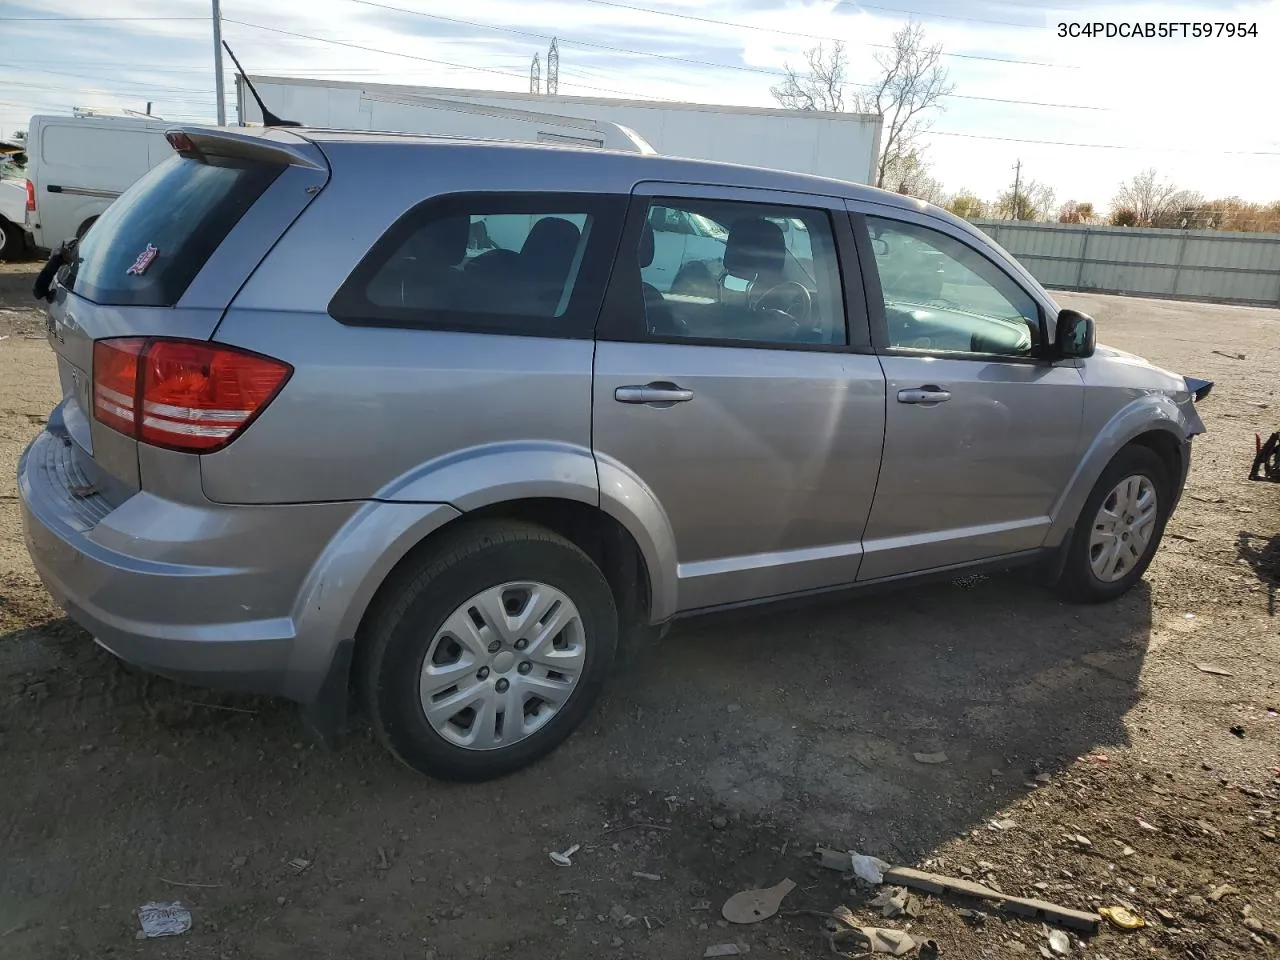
(755, 247)
(551, 232)
(647, 245)
(440, 243)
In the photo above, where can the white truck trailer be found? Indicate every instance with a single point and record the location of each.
(843, 146)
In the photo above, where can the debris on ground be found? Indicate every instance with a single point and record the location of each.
(1230, 356)
(752, 906)
(1213, 669)
(1150, 828)
(896, 943)
(1223, 890)
(834, 859)
(938, 757)
(1238, 731)
(163, 920)
(1059, 943)
(938, 884)
(1005, 824)
(719, 822)
(725, 950)
(299, 864)
(870, 869)
(890, 901)
(564, 858)
(640, 875)
(1123, 918)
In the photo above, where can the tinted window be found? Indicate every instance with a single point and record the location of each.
(511, 263)
(724, 270)
(941, 295)
(150, 243)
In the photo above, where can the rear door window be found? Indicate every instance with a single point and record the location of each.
(151, 242)
(525, 264)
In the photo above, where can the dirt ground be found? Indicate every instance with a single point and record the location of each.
(716, 766)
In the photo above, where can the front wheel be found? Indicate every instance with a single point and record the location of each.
(490, 652)
(1119, 528)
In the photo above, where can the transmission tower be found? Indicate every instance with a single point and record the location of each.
(553, 67)
(535, 75)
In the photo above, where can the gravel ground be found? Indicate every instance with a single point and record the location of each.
(717, 766)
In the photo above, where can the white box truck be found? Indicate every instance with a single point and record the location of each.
(843, 146)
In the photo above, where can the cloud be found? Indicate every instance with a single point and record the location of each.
(1166, 101)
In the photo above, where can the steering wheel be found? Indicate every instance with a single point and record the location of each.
(794, 301)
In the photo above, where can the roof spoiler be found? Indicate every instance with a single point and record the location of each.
(200, 143)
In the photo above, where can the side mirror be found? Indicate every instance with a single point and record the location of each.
(1076, 335)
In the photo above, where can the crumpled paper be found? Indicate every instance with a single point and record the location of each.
(163, 920)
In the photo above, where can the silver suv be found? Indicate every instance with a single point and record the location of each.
(416, 424)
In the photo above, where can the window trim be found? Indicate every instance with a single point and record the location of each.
(351, 307)
(623, 318)
(1040, 355)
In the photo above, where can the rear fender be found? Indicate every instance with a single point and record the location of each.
(1147, 413)
(502, 472)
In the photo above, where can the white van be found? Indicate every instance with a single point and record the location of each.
(77, 165)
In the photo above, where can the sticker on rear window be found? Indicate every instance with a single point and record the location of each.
(144, 260)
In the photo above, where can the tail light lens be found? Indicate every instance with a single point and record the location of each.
(181, 394)
(31, 197)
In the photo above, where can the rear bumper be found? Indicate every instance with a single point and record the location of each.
(201, 593)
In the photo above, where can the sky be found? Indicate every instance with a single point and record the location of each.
(1081, 114)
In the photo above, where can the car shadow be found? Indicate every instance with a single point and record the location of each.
(1262, 553)
(803, 724)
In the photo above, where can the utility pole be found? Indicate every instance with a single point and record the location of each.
(1017, 180)
(217, 64)
(553, 67)
(535, 74)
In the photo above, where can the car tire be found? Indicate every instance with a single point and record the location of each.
(436, 624)
(1092, 573)
(85, 227)
(13, 242)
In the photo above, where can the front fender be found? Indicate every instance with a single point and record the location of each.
(1143, 414)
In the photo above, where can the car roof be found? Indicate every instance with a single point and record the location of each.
(634, 166)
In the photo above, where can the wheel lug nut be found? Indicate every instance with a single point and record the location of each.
(503, 684)
(483, 673)
(525, 667)
(521, 643)
(495, 646)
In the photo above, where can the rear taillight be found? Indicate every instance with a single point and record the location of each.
(31, 197)
(181, 394)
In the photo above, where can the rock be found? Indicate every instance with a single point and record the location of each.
(238, 862)
(457, 912)
(1059, 943)
(618, 913)
(616, 941)
(723, 950)
(938, 757)
(720, 823)
(560, 921)
(1223, 890)
(1016, 946)
(281, 900)
(734, 707)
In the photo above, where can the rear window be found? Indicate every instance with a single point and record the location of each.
(150, 244)
(526, 264)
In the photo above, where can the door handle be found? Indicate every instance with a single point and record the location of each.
(659, 393)
(927, 394)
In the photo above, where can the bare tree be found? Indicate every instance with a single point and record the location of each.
(912, 177)
(822, 87)
(1033, 201)
(1147, 196)
(1073, 212)
(911, 85)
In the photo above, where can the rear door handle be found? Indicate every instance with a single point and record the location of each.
(659, 393)
(927, 394)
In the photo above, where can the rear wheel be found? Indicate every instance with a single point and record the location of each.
(84, 227)
(1119, 528)
(489, 652)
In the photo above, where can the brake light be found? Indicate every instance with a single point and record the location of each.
(31, 197)
(185, 395)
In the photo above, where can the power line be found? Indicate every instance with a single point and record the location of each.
(1100, 146)
(745, 68)
(409, 56)
(91, 19)
(938, 16)
(810, 36)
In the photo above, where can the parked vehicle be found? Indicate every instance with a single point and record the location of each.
(453, 441)
(78, 164)
(841, 145)
(15, 242)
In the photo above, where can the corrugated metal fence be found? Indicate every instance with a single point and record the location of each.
(1208, 265)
